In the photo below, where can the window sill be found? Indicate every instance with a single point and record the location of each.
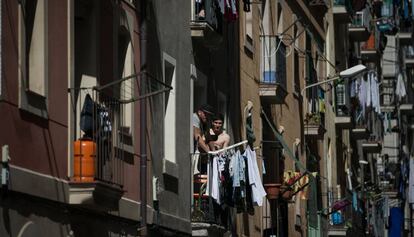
(33, 103)
(170, 168)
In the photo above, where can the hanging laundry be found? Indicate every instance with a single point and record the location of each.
(230, 10)
(321, 97)
(249, 129)
(222, 6)
(246, 5)
(412, 9)
(376, 94)
(405, 9)
(368, 90)
(195, 157)
(354, 89)
(86, 116)
(395, 222)
(386, 123)
(400, 90)
(214, 183)
(258, 192)
(362, 95)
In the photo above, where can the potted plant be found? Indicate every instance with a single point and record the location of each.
(313, 118)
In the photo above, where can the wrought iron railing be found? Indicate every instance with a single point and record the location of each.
(340, 213)
(273, 63)
(99, 116)
(362, 19)
(205, 11)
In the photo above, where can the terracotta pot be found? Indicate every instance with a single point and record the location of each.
(272, 190)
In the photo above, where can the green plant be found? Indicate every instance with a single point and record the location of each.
(313, 118)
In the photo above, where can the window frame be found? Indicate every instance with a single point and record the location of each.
(30, 100)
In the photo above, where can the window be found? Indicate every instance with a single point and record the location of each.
(33, 53)
(248, 28)
(125, 66)
(170, 109)
(273, 63)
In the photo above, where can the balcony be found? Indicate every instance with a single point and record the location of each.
(103, 143)
(339, 217)
(360, 132)
(406, 109)
(369, 50)
(314, 125)
(405, 36)
(205, 24)
(343, 119)
(408, 52)
(358, 29)
(371, 147)
(272, 87)
(342, 11)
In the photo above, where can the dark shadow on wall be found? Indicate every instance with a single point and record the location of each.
(156, 105)
(82, 222)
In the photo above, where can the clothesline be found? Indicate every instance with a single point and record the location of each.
(227, 148)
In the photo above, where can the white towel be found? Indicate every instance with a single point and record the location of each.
(258, 192)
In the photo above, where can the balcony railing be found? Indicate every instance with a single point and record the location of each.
(361, 19)
(273, 64)
(340, 217)
(344, 3)
(204, 11)
(205, 24)
(99, 118)
(315, 124)
(273, 69)
(359, 28)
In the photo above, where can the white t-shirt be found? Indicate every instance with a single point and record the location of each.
(196, 121)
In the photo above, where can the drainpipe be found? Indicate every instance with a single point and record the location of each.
(143, 115)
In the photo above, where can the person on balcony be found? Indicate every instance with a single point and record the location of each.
(200, 124)
(217, 138)
(199, 8)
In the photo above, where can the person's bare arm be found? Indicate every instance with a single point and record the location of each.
(199, 138)
(226, 140)
(222, 141)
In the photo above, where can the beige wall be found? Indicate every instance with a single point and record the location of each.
(248, 225)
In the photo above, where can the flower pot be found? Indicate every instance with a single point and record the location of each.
(272, 190)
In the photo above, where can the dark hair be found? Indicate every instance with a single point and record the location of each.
(218, 116)
(207, 109)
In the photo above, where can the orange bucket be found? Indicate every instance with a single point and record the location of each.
(84, 160)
